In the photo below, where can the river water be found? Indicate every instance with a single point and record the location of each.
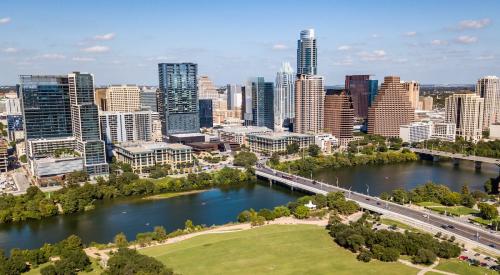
(219, 206)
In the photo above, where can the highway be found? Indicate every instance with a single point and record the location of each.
(463, 229)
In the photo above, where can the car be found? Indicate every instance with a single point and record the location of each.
(492, 245)
(451, 226)
(314, 182)
(487, 258)
(367, 199)
(483, 264)
(444, 226)
(477, 254)
(378, 203)
(425, 215)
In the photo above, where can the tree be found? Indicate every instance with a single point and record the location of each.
(292, 148)
(275, 159)
(120, 240)
(23, 159)
(245, 216)
(364, 256)
(281, 211)
(468, 200)
(424, 256)
(487, 211)
(465, 189)
(301, 212)
(128, 261)
(314, 150)
(48, 270)
(189, 226)
(77, 177)
(160, 233)
(267, 214)
(245, 159)
(257, 220)
(355, 242)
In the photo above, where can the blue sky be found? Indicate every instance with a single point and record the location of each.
(439, 41)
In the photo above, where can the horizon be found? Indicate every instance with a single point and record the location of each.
(124, 43)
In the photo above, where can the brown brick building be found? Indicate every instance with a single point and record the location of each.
(391, 109)
(339, 113)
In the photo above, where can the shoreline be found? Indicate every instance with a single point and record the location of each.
(170, 195)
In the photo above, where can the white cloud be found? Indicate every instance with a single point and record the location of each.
(4, 20)
(280, 47)
(438, 42)
(83, 59)
(344, 48)
(96, 49)
(105, 37)
(474, 24)
(343, 62)
(375, 35)
(375, 55)
(410, 34)
(465, 39)
(400, 60)
(52, 56)
(10, 50)
(486, 57)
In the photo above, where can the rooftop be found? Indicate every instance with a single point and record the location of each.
(280, 135)
(245, 129)
(187, 135)
(143, 147)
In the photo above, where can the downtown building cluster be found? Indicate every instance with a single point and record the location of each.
(68, 124)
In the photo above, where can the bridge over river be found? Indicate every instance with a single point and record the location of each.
(455, 156)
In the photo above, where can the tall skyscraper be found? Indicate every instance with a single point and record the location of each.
(339, 113)
(45, 106)
(262, 102)
(85, 122)
(391, 109)
(284, 100)
(466, 111)
(309, 104)
(488, 88)
(148, 98)
(413, 90)
(178, 100)
(307, 53)
(206, 113)
(363, 91)
(206, 88)
(123, 98)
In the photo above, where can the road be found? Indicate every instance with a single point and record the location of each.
(456, 156)
(463, 229)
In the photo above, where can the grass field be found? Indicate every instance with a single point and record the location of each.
(399, 225)
(462, 268)
(273, 249)
(453, 210)
(173, 194)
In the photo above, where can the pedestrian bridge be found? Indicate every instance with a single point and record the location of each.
(477, 159)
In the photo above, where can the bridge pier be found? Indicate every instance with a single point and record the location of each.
(435, 158)
(270, 183)
(477, 165)
(456, 161)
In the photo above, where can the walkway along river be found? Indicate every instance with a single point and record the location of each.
(219, 206)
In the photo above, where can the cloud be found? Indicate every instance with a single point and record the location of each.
(486, 57)
(438, 42)
(400, 60)
(52, 56)
(410, 34)
(105, 37)
(344, 48)
(465, 39)
(83, 59)
(375, 55)
(343, 62)
(5, 20)
(375, 35)
(10, 50)
(474, 24)
(96, 49)
(280, 47)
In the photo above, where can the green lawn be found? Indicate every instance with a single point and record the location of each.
(429, 203)
(274, 249)
(399, 225)
(462, 268)
(458, 210)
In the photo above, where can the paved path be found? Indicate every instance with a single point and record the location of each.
(425, 269)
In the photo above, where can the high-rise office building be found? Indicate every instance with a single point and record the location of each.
(425, 103)
(284, 100)
(488, 88)
(339, 113)
(413, 90)
(309, 104)
(363, 92)
(262, 102)
(117, 127)
(465, 110)
(85, 122)
(100, 98)
(45, 106)
(391, 109)
(178, 100)
(123, 98)
(206, 88)
(234, 97)
(206, 113)
(307, 53)
(148, 98)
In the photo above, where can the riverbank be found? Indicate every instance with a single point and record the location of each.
(174, 194)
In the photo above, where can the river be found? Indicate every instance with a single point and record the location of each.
(219, 206)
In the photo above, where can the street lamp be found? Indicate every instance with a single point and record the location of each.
(367, 189)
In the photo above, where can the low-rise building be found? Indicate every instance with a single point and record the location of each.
(326, 142)
(47, 167)
(424, 130)
(239, 134)
(444, 131)
(494, 131)
(276, 142)
(144, 155)
(48, 148)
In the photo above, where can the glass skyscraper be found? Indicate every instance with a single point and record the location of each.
(45, 106)
(284, 97)
(262, 102)
(206, 113)
(178, 99)
(85, 121)
(307, 53)
(372, 91)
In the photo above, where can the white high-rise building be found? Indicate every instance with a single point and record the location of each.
(465, 110)
(284, 98)
(234, 97)
(488, 88)
(119, 127)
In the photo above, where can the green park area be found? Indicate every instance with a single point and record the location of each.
(457, 210)
(276, 249)
(462, 267)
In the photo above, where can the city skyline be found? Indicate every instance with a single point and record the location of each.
(415, 41)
